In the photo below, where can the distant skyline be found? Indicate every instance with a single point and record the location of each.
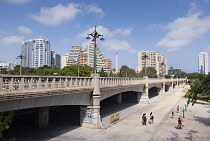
(177, 29)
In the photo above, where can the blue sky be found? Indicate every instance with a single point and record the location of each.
(176, 29)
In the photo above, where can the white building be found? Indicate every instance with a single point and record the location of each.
(203, 63)
(153, 60)
(64, 60)
(75, 53)
(37, 53)
(55, 60)
(8, 65)
(99, 57)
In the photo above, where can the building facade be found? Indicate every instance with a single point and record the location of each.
(8, 65)
(152, 59)
(108, 64)
(55, 60)
(37, 53)
(173, 71)
(99, 57)
(203, 63)
(75, 53)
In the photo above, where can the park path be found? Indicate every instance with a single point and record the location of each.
(131, 129)
(196, 123)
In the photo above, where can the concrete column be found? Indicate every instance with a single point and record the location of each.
(21, 83)
(162, 91)
(139, 95)
(39, 83)
(42, 117)
(30, 85)
(172, 86)
(145, 95)
(118, 98)
(10, 83)
(90, 115)
(1, 83)
(53, 83)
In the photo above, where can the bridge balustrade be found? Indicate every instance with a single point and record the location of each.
(17, 83)
(26, 82)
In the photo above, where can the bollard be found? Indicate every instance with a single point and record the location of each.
(185, 107)
(183, 113)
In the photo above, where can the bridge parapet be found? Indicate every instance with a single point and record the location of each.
(14, 83)
(20, 83)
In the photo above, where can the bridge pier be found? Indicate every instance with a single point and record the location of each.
(118, 98)
(162, 90)
(145, 95)
(90, 115)
(42, 117)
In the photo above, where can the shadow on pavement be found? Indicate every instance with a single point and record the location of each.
(205, 121)
(61, 120)
(191, 133)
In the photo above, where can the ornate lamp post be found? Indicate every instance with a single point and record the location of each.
(162, 64)
(21, 57)
(95, 35)
(145, 57)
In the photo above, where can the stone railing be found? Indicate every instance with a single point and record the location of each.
(27, 82)
(17, 82)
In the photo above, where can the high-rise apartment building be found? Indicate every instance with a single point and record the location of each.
(75, 53)
(108, 64)
(64, 60)
(153, 59)
(83, 58)
(55, 60)
(37, 53)
(203, 63)
(99, 57)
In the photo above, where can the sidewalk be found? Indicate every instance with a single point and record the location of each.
(196, 123)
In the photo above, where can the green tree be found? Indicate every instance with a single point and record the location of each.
(72, 70)
(201, 86)
(3, 70)
(150, 71)
(180, 75)
(5, 121)
(102, 73)
(124, 71)
(132, 73)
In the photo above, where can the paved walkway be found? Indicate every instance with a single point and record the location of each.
(196, 123)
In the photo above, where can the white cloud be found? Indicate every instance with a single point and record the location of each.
(182, 31)
(106, 32)
(24, 29)
(11, 39)
(57, 14)
(17, 1)
(115, 44)
(94, 9)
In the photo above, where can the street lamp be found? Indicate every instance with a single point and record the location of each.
(145, 57)
(21, 57)
(162, 64)
(78, 70)
(95, 35)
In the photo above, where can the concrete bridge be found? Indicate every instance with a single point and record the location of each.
(23, 92)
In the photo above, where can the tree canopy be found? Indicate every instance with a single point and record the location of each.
(150, 71)
(201, 86)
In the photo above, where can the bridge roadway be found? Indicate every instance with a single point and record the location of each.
(23, 92)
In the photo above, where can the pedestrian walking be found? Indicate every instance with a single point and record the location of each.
(177, 109)
(151, 118)
(179, 123)
(172, 114)
(144, 119)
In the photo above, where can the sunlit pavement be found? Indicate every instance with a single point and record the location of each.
(196, 123)
(129, 127)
